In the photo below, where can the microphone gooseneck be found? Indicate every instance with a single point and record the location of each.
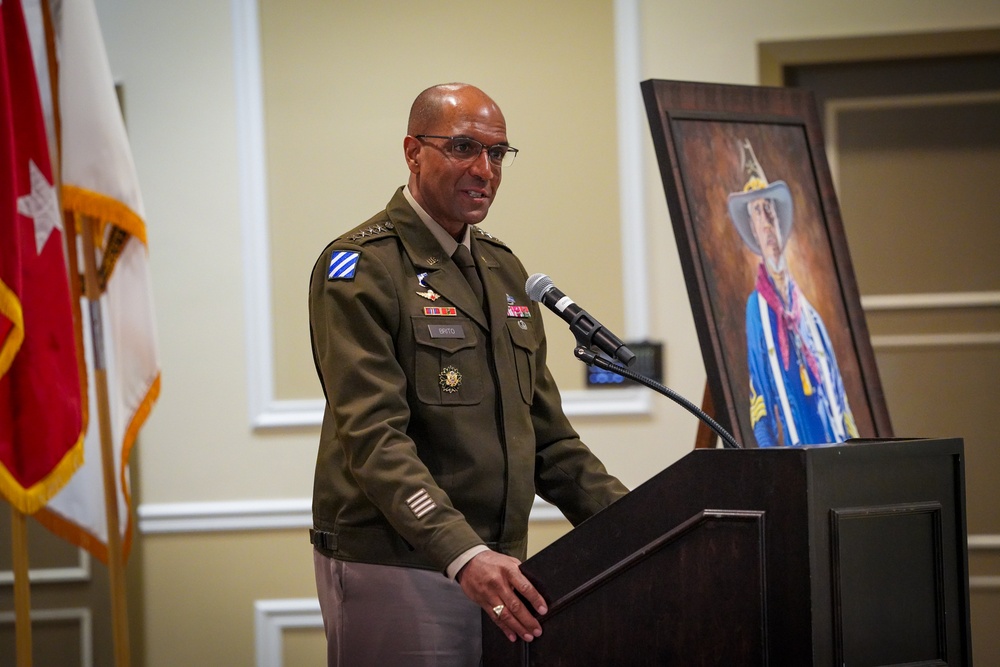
(591, 334)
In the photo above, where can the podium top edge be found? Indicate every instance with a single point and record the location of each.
(852, 443)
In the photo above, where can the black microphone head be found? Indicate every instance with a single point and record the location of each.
(537, 285)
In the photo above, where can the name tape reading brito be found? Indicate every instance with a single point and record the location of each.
(446, 330)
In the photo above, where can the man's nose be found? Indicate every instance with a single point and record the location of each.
(481, 166)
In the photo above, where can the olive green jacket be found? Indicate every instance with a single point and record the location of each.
(441, 421)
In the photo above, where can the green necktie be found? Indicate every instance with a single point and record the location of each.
(463, 258)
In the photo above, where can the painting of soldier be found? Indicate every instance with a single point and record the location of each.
(796, 392)
(774, 299)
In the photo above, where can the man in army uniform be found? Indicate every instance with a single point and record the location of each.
(442, 420)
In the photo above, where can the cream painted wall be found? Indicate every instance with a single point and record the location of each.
(334, 143)
(177, 66)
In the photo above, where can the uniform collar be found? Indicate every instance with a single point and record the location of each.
(428, 254)
(447, 241)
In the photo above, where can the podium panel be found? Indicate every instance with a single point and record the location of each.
(829, 555)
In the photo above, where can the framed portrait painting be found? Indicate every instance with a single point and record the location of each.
(783, 336)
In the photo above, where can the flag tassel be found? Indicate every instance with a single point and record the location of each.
(116, 564)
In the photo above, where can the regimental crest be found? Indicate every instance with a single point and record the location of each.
(343, 265)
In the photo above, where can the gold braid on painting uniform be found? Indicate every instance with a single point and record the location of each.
(757, 408)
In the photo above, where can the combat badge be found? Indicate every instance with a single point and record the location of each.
(430, 294)
(450, 379)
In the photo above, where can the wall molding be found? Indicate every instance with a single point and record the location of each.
(296, 513)
(81, 615)
(273, 617)
(224, 516)
(930, 301)
(903, 341)
(54, 575)
(250, 515)
(984, 542)
(266, 409)
(984, 583)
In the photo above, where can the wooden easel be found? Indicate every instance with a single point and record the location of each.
(706, 437)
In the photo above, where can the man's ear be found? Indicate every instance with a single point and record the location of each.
(411, 150)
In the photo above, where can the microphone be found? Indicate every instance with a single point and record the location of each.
(587, 330)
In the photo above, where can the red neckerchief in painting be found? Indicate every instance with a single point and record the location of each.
(789, 318)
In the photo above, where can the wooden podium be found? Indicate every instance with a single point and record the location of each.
(851, 554)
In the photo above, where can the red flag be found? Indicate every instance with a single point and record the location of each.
(41, 430)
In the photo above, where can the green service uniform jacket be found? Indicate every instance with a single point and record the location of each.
(441, 421)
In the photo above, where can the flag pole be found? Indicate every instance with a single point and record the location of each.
(92, 290)
(22, 587)
(18, 520)
(116, 565)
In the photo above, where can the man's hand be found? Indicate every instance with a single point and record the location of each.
(490, 579)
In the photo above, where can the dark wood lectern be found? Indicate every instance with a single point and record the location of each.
(827, 555)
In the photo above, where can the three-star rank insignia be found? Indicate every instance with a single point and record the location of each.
(450, 379)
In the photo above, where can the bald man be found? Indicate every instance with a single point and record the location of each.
(442, 420)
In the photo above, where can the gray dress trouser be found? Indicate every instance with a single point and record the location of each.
(384, 616)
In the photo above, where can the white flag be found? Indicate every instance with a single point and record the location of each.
(99, 180)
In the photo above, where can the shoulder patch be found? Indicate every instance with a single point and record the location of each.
(486, 236)
(343, 265)
(369, 232)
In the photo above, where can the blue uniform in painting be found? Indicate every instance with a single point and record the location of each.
(796, 392)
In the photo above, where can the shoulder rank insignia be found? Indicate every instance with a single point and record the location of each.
(343, 264)
(371, 231)
(486, 235)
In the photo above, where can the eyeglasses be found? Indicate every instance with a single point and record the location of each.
(465, 149)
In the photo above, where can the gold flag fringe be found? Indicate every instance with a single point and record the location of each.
(31, 499)
(104, 209)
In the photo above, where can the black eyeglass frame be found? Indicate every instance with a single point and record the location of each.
(507, 149)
